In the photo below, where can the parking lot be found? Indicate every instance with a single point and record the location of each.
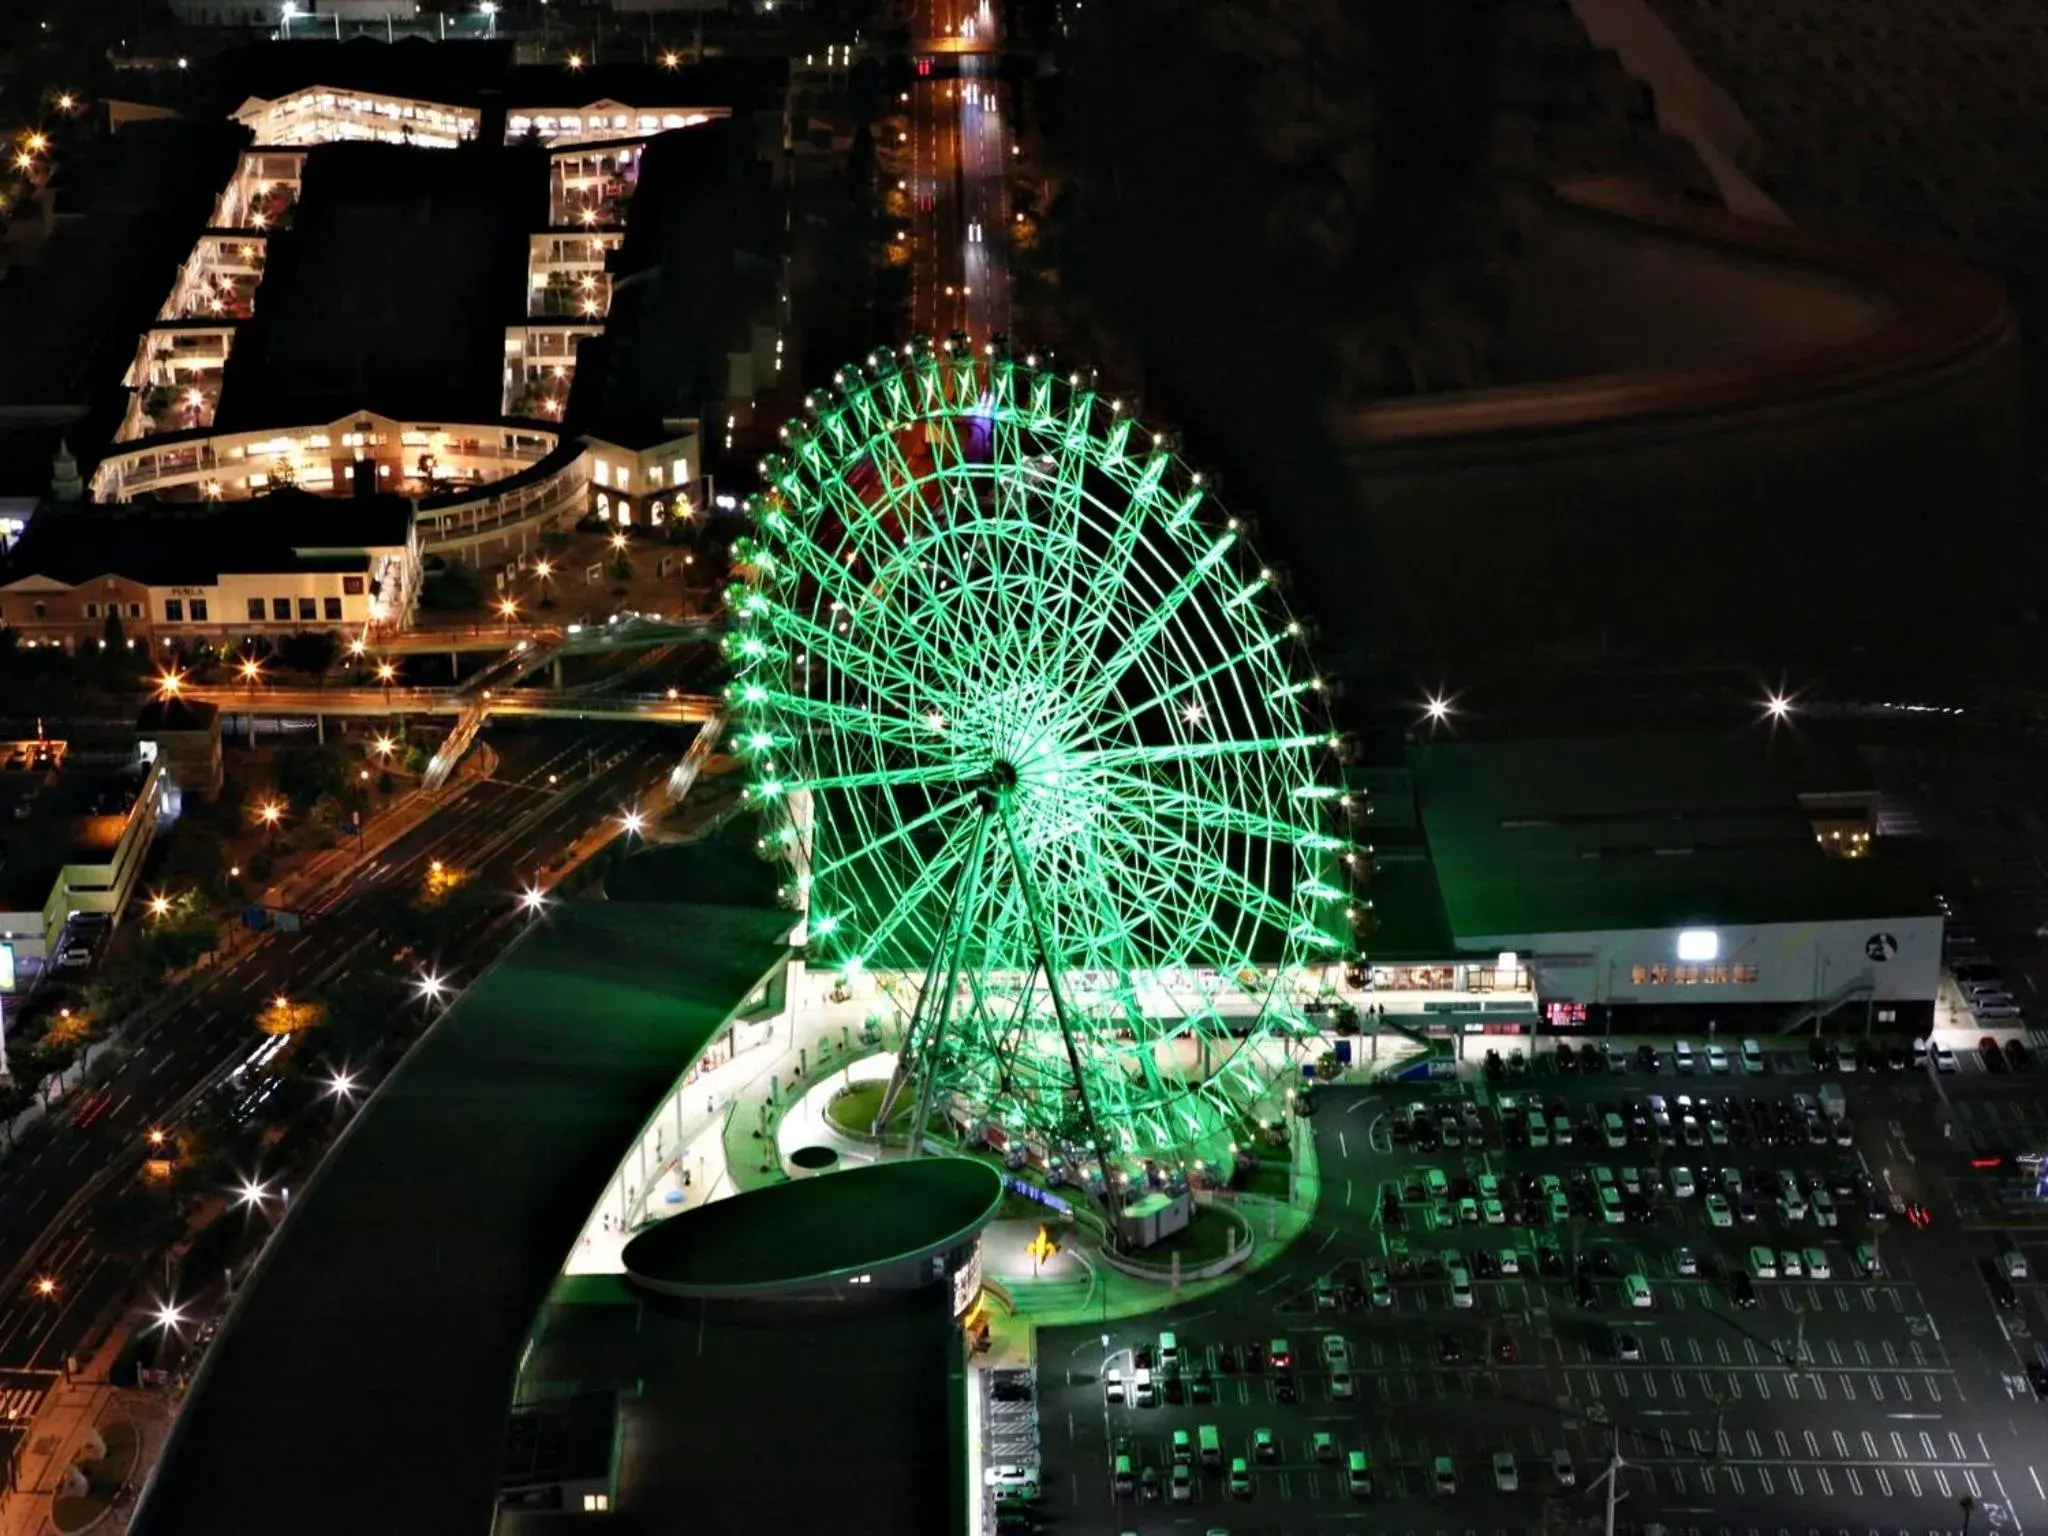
(1493, 1314)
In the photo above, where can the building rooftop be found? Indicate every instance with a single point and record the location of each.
(699, 248)
(409, 1274)
(127, 217)
(1593, 834)
(392, 289)
(195, 543)
(477, 73)
(814, 1230)
(75, 816)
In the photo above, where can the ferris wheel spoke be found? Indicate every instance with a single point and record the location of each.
(886, 727)
(1191, 751)
(1155, 622)
(1215, 814)
(1164, 697)
(1221, 881)
(905, 908)
(871, 851)
(880, 778)
(872, 668)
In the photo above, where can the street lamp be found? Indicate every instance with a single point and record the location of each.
(575, 61)
(285, 14)
(386, 672)
(270, 814)
(155, 1136)
(341, 1085)
(632, 822)
(168, 1316)
(508, 608)
(46, 1287)
(169, 683)
(384, 746)
(252, 1193)
(159, 905)
(431, 987)
(489, 12)
(534, 899)
(1777, 707)
(671, 60)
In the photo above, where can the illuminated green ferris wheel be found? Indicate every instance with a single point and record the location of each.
(1041, 746)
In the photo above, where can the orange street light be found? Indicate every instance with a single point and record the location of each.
(159, 905)
(66, 101)
(156, 1136)
(386, 671)
(509, 607)
(37, 143)
(385, 746)
(46, 1286)
(671, 60)
(575, 61)
(167, 686)
(251, 670)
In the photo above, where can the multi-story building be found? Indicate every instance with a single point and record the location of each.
(216, 573)
(77, 826)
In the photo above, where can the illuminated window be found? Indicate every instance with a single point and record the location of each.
(1745, 973)
(1717, 975)
(654, 511)
(679, 472)
(1687, 975)
(625, 478)
(604, 506)
(602, 473)
(597, 1503)
(654, 474)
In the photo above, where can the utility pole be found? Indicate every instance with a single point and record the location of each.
(1968, 1504)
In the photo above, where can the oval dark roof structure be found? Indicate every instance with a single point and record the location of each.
(811, 1232)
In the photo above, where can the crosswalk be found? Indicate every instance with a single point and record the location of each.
(19, 1404)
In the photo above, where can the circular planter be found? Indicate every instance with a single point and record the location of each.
(808, 1162)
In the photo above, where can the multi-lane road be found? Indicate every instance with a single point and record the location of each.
(960, 151)
(552, 784)
(1850, 1401)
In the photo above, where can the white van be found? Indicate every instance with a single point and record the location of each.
(1169, 1356)
(1639, 1294)
(1752, 1057)
(1212, 1447)
(1681, 1056)
(1763, 1264)
(1358, 1474)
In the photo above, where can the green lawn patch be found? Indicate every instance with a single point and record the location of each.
(853, 1110)
(1203, 1240)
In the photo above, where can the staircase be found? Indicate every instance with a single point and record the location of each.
(1861, 985)
(1046, 1298)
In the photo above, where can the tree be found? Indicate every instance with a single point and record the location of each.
(311, 651)
(173, 946)
(112, 633)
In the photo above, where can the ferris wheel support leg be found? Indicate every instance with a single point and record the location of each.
(1059, 1002)
(954, 938)
(917, 1052)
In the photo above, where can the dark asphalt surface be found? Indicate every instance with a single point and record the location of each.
(501, 829)
(1910, 1394)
